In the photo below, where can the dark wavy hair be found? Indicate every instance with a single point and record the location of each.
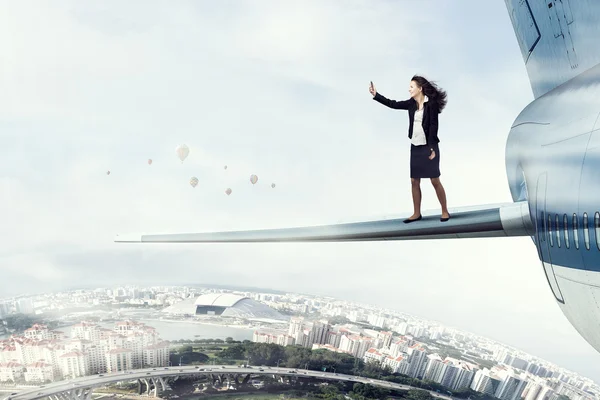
(432, 91)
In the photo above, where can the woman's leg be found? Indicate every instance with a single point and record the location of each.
(416, 195)
(441, 195)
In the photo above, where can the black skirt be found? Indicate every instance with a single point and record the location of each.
(420, 164)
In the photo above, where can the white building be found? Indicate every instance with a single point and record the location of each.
(11, 372)
(45, 354)
(39, 372)
(119, 359)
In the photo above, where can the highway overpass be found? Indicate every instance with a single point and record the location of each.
(153, 378)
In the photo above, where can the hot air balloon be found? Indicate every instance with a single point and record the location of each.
(149, 161)
(253, 179)
(182, 151)
(107, 172)
(228, 191)
(225, 167)
(272, 185)
(194, 181)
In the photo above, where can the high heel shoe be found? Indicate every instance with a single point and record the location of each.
(445, 219)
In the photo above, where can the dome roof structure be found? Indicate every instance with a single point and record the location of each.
(225, 305)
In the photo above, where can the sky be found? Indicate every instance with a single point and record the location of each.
(280, 90)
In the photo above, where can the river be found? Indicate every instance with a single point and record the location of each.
(174, 330)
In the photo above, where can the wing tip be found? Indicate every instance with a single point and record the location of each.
(128, 238)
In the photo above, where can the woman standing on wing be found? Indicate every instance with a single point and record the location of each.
(425, 103)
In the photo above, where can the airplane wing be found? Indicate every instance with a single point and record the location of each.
(500, 220)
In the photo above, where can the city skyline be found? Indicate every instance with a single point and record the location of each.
(215, 286)
(506, 374)
(169, 295)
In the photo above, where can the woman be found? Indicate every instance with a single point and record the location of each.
(425, 103)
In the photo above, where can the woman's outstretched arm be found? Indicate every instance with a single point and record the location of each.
(398, 105)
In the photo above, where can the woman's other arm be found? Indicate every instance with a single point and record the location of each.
(433, 129)
(433, 123)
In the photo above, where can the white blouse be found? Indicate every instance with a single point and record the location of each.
(418, 136)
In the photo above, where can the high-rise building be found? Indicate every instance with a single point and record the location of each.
(320, 332)
(25, 306)
(296, 325)
(486, 381)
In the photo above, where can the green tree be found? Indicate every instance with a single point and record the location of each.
(192, 357)
(330, 392)
(339, 320)
(20, 322)
(265, 353)
(185, 349)
(369, 391)
(235, 352)
(417, 394)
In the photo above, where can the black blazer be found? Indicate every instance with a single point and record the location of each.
(430, 115)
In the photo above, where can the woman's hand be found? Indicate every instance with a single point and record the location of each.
(372, 89)
(432, 156)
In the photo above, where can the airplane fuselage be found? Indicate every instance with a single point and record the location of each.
(553, 162)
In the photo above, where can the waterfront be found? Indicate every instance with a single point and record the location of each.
(174, 330)
(177, 329)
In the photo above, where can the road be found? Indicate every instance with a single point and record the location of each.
(100, 380)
